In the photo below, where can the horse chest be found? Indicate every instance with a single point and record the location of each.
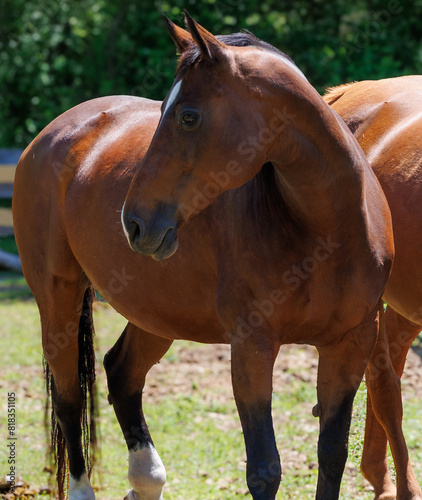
(305, 297)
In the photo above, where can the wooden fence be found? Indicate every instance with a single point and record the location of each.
(8, 160)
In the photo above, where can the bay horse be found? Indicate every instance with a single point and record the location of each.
(386, 118)
(283, 235)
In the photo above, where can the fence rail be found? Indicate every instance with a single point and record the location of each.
(8, 161)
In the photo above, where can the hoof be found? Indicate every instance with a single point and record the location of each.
(386, 496)
(131, 495)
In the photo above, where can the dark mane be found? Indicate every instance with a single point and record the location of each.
(243, 39)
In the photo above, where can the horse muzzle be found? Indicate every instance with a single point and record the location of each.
(158, 239)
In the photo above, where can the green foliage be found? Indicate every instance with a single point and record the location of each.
(8, 244)
(54, 55)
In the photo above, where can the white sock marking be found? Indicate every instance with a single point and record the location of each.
(147, 474)
(80, 490)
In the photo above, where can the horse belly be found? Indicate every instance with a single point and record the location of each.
(399, 169)
(404, 289)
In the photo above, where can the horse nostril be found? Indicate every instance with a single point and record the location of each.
(157, 237)
(136, 229)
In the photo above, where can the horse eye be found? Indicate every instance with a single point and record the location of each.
(189, 119)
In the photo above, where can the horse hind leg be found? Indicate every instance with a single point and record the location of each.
(384, 411)
(66, 318)
(127, 365)
(60, 289)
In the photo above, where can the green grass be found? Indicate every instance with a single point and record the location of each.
(197, 432)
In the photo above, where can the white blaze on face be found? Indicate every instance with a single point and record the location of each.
(173, 96)
(80, 489)
(147, 474)
(123, 223)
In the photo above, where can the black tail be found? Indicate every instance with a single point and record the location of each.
(86, 369)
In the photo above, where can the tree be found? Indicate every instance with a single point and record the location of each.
(54, 55)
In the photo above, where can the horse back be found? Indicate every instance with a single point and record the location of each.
(78, 145)
(386, 118)
(71, 183)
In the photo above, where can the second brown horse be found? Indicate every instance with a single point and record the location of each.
(386, 117)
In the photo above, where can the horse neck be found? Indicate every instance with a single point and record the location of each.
(317, 162)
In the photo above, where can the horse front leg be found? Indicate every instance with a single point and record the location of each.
(252, 371)
(385, 412)
(340, 371)
(126, 365)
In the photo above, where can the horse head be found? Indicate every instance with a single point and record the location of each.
(214, 134)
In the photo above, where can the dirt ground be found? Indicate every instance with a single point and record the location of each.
(201, 363)
(209, 366)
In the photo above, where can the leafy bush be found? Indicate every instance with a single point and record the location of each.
(54, 55)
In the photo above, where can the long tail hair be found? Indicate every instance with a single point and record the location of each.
(86, 370)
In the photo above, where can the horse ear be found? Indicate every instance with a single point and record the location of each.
(181, 37)
(209, 45)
